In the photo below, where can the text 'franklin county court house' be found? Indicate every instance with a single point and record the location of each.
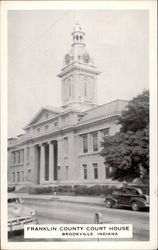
(63, 144)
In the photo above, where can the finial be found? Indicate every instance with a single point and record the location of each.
(77, 26)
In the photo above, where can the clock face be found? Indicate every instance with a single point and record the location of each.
(86, 57)
(67, 58)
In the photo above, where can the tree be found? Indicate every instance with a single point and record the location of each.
(136, 116)
(128, 150)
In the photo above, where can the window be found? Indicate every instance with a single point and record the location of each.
(46, 115)
(13, 176)
(95, 141)
(69, 89)
(67, 168)
(55, 123)
(85, 143)
(107, 173)
(95, 166)
(22, 156)
(22, 176)
(38, 130)
(13, 158)
(106, 132)
(85, 89)
(28, 176)
(46, 127)
(18, 156)
(84, 171)
(18, 176)
(28, 153)
(65, 146)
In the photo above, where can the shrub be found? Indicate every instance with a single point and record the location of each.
(63, 189)
(105, 189)
(40, 190)
(94, 190)
(80, 189)
(11, 188)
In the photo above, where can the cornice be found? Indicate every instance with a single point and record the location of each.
(79, 67)
(96, 122)
(61, 131)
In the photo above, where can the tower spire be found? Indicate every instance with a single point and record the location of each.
(78, 35)
(78, 74)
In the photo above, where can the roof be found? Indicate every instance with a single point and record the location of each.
(106, 110)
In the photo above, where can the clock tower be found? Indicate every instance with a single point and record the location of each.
(78, 75)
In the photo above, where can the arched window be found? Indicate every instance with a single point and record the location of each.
(69, 89)
(86, 87)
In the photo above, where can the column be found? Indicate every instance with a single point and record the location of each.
(42, 164)
(60, 158)
(34, 163)
(51, 161)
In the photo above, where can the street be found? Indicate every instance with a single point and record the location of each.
(60, 212)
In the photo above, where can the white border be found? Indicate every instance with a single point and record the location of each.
(33, 5)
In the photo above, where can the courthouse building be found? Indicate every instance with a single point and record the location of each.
(62, 145)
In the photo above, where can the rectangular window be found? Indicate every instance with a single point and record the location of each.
(38, 130)
(13, 176)
(28, 153)
(55, 124)
(65, 146)
(18, 176)
(107, 174)
(85, 143)
(105, 132)
(18, 153)
(67, 169)
(85, 88)
(22, 156)
(95, 166)
(95, 141)
(84, 171)
(13, 158)
(16, 157)
(22, 176)
(46, 127)
(69, 89)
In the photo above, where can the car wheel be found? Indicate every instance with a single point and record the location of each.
(109, 203)
(135, 206)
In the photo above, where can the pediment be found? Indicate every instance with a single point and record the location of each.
(44, 114)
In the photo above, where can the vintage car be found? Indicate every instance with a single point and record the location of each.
(134, 197)
(19, 214)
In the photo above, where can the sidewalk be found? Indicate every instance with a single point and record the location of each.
(63, 198)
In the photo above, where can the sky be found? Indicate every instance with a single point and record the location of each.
(117, 40)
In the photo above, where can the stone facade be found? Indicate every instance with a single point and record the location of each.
(62, 145)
